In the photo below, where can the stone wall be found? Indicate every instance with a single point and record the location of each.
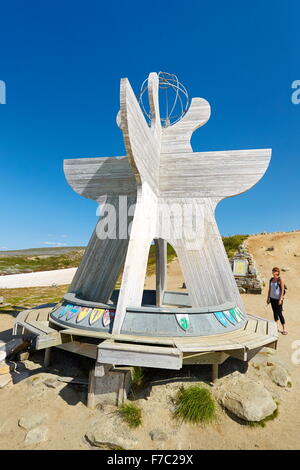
(252, 282)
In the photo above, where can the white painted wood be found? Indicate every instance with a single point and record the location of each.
(97, 177)
(176, 138)
(103, 259)
(164, 172)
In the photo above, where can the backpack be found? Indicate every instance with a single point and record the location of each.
(278, 285)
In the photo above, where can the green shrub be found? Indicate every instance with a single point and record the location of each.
(131, 414)
(232, 243)
(196, 405)
(137, 376)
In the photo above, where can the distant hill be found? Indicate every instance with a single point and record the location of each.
(40, 259)
(50, 258)
(48, 251)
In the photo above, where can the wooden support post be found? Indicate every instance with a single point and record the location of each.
(161, 269)
(214, 372)
(47, 357)
(91, 390)
(108, 386)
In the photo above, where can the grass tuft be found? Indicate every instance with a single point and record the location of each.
(137, 376)
(195, 405)
(264, 421)
(131, 414)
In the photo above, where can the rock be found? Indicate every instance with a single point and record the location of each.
(108, 436)
(158, 435)
(271, 248)
(1, 300)
(23, 356)
(242, 290)
(52, 383)
(37, 435)
(275, 361)
(246, 399)
(32, 420)
(254, 291)
(285, 269)
(4, 368)
(5, 379)
(279, 375)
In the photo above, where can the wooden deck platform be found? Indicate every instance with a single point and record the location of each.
(164, 352)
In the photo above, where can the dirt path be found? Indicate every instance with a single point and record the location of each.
(68, 419)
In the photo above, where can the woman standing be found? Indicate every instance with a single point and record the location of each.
(275, 296)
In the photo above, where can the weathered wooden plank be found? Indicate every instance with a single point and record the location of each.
(27, 327)
(42, 326)
(205, 358)
(198, 347)
(43, 314)
(262, 341)
(32, 315)
(272, 328)
(47, 341)
(139, 355)
(261, 328)
(251, 325)
(81, 348)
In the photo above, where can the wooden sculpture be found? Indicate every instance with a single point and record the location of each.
(161, 170)
(163, 191)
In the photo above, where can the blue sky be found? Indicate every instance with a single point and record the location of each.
(62, 62)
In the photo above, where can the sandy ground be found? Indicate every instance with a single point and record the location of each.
(68, 418)
(58, 277)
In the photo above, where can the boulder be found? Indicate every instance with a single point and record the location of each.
(52, 383)
(32, 420)
(37, 435)
(4, 368)
(279, 375)
(111, 433)
(23, 356)
(104, 438)
(5, 379)
(246, 399)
